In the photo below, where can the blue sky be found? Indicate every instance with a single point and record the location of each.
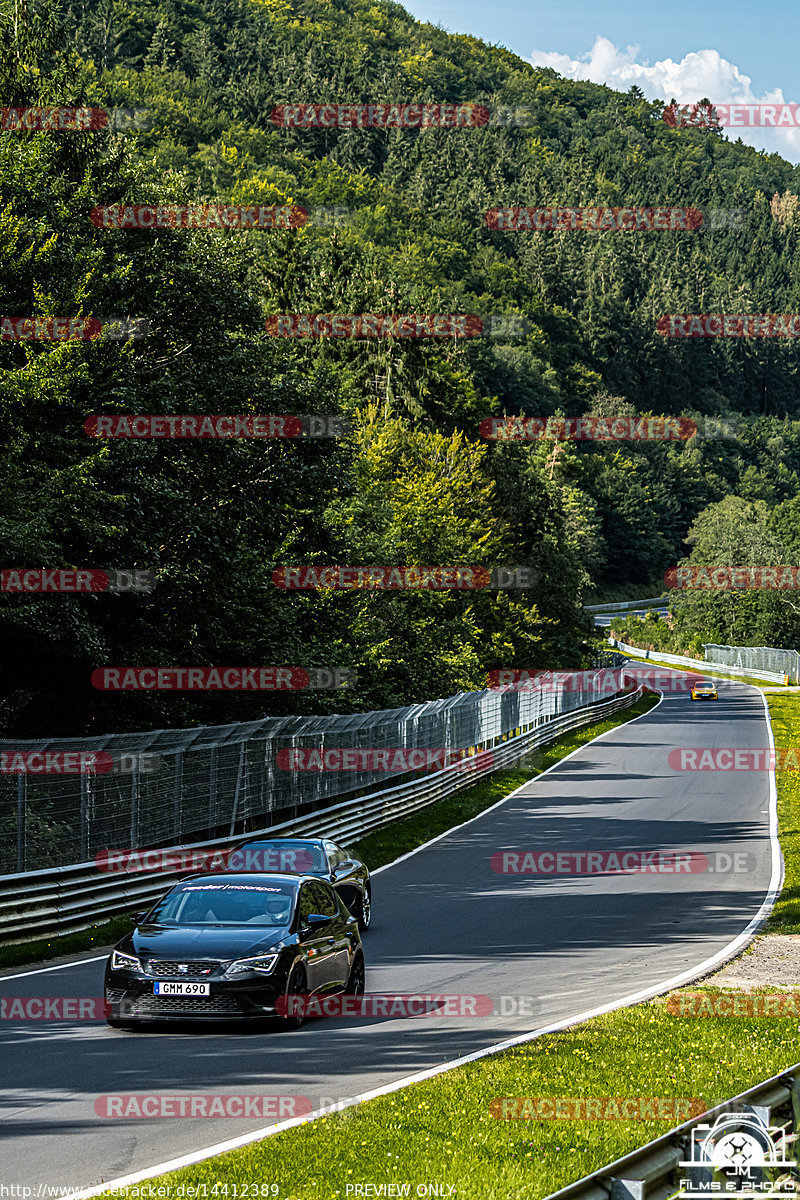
(752, 49)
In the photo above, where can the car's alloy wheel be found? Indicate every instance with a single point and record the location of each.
(364, 911)
(297, 986)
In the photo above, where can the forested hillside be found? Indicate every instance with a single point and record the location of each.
(412, 482)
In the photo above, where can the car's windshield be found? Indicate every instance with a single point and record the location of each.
(279, 854)
(219, 903)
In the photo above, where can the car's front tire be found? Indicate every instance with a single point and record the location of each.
(297, 985)
(356, 978)
(117, 1022)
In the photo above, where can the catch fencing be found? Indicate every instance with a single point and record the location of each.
(169, 787)
(60, 899)
(680, 660)
(756, 658)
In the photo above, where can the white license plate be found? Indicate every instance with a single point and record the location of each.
(182, 989)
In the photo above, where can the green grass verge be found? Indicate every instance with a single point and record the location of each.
(784, 713)
(442, 1130)
(98, 937)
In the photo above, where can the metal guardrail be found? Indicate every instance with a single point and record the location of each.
(700, 664)
(652, 1172)
(60, 899)
(626, 605)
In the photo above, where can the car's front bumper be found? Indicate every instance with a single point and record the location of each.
(134, 999)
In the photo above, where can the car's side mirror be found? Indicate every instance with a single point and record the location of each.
(312, 923)
(138, 917)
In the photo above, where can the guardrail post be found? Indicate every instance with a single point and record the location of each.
(176, 796)
(239, 777)
(135, 803)
(22, 796)
(212, 791)
(84, 820)
(627, 1189)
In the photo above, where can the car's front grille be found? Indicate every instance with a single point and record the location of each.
(176, 1005)
(163, 967)
(114, 995)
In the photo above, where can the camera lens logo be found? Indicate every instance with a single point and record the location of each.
(739, 1154)
(737, 1150)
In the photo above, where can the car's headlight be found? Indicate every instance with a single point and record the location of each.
(125, 962)
(263, 963)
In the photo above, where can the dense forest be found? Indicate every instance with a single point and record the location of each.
(397, 225)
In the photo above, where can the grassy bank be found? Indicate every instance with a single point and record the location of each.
(443, 1130)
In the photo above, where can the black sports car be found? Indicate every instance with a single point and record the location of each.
(307, 856)
(228, 946)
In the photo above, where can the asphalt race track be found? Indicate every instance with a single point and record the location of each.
(444, 922)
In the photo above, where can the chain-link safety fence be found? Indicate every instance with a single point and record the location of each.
(756, 658)
(167, 787)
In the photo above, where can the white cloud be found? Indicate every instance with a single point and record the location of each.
(700, 73)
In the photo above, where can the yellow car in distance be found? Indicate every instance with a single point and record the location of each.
(704, 691)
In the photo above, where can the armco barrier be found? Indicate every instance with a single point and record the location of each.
(700, 664)
(627, 605)
(652, 1173)
(61, 899)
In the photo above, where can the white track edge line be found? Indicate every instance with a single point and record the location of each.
(78, 962)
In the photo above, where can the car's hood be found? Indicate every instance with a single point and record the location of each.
(203, 942)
